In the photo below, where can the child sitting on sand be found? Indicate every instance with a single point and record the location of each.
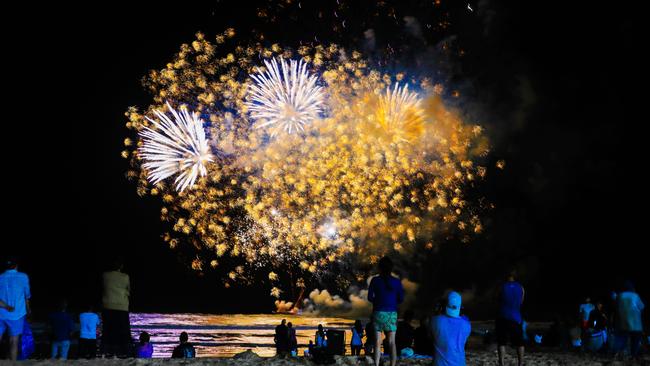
(145, 348)
(185, 349)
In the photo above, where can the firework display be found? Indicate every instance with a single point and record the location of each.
(323, 159)
(177, 146)
(286, 99)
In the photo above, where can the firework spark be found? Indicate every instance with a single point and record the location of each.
(363, 183)
(285, 96)
(399, 112)
(177, 146)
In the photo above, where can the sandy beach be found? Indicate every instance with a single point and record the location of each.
(474, 358)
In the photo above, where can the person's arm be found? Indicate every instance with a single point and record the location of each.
(128, 286)
(371, 290)
(523, 294)
(28, 295)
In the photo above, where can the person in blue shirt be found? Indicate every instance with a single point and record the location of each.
(385, 293)
(509, 321)
(14, 301)
(449, 332)
(88, 322)
(356, 343)
(62, 327)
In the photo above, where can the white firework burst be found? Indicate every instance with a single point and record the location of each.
(177, 146)
(398, 101)
(285, 96)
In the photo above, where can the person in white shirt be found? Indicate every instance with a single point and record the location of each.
(630, 325)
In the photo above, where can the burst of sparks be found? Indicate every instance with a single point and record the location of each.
(400, 110)
(177, 146)
(285, 96)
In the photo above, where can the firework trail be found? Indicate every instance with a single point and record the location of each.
(177, 146)
(285, 96)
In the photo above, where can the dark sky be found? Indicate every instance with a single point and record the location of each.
(557, 88)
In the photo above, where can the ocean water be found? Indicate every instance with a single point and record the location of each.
(227, 335)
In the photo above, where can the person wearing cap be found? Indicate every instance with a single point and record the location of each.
(14, 301)
(449, 332)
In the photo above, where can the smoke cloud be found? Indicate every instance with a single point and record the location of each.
(322, 303)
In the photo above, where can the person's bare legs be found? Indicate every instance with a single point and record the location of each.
(393, 348)
(377, 348)
(520, 355)
(502, 352)
(13, 347)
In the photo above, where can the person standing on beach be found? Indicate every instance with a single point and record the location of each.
(89, 322)
(281, 338)
(62, 326)
(356, 343)
(630, 324)
(14, 304)
(449, 332)
(293, 340)
(405, 332)
(509, 321)
(116, 330)
(369, 348)
(585, 312)
(385, 293)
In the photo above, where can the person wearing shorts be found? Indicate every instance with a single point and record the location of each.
(14, 298)
(385, 293)
(508, 324)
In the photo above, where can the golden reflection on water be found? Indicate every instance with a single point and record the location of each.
(227, 335)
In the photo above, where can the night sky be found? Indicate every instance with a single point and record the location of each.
(556, 86)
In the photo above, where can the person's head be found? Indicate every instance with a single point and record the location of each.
(385, 267)
(62, 305)
(283, 322)
(424, 321)
(184, 337)
(587, 300)
(358, 325)
(599, 305)
(144, 337)
(454, 301)
(118, 264)
(320, 327)
(511, 275)
(89, 308)
(628, 286)
(12, 262)
(290, 325)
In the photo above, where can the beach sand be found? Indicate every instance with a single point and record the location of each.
(475, 358)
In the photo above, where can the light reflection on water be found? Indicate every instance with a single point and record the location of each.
(227, 335)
